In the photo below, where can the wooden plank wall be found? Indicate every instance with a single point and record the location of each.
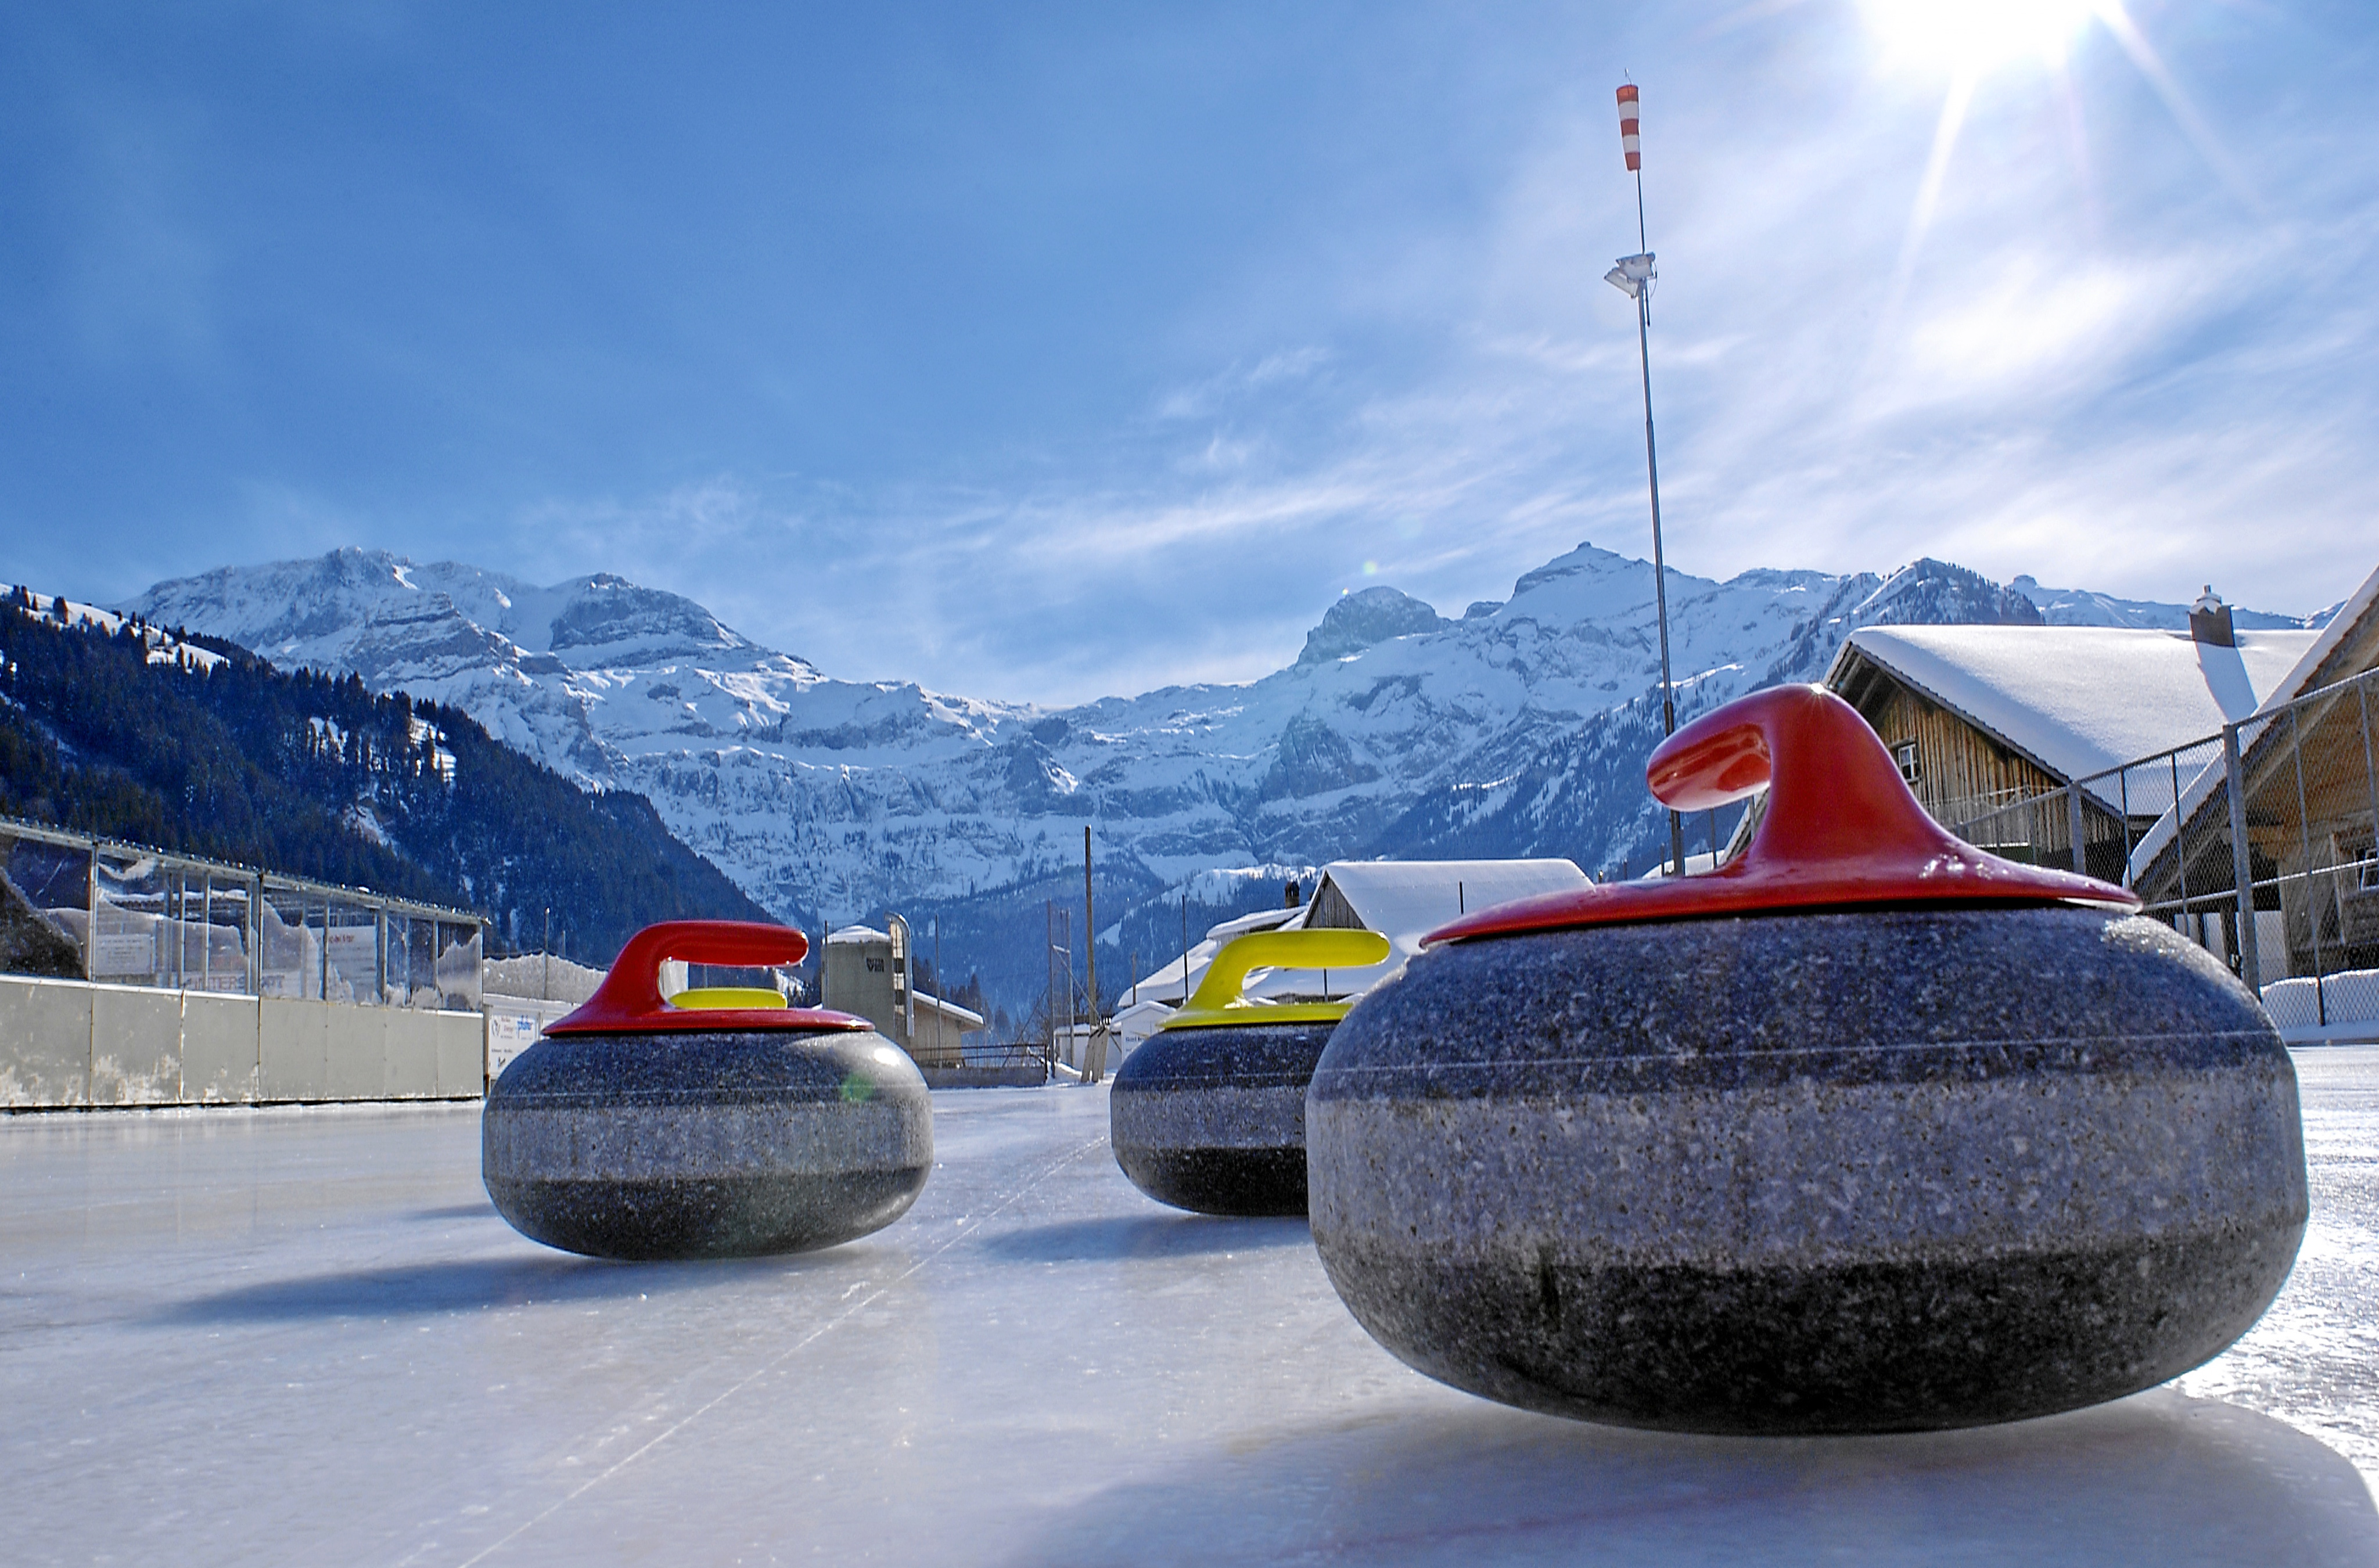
(1962, 773)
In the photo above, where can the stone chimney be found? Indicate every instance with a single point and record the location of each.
(2209, 621)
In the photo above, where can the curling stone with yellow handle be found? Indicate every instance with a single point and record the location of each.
(1210, 1113)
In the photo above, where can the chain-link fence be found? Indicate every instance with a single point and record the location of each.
(78, 908)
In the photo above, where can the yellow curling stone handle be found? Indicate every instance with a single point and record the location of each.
(1218, 1002)
(724, 996)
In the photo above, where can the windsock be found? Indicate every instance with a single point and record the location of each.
(1628, 140)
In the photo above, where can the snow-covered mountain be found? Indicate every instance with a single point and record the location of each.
(2079, 607)
(1519, 729)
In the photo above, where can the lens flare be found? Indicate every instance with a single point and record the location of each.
(1968, 37)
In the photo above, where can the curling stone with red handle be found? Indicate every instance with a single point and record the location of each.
(1208, 1114)
(710, 1125)
(1868, 1130)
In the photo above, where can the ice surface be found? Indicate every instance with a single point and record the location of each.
(302, 1336)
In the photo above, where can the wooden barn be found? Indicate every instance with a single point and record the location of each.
(1989, 724)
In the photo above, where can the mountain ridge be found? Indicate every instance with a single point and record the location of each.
(1519, 729)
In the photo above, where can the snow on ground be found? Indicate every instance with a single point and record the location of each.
(302, 1336)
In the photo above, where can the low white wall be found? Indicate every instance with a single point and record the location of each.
(71, 1042)
(2338, 1008)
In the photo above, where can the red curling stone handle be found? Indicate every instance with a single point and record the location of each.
(1840, 829)
(630, 1001)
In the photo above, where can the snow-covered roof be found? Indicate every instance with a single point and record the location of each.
(966, 1017)
(859, 934)
(2081, 700)
(2300, 679)
(1405, 900)
(1402, 900)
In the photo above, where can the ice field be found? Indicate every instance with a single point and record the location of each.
(302, 1336)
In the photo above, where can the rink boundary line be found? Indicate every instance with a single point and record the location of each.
(782, 1357)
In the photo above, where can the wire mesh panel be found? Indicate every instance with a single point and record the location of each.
(128, 912)
(351, 948)
(225, 915)
(421, 964)
(290, 945)
(44, 905)
(458, 965)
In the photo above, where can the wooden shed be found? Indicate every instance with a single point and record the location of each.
(1990, 724)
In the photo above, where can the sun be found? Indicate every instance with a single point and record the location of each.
(1968, 38)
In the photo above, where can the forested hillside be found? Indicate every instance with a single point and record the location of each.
(132, 735)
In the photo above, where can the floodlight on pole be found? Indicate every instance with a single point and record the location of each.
(1634, 276)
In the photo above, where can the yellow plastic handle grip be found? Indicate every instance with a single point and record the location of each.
(1282, 950)
(724, 996)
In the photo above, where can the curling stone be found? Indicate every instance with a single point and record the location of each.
(1868, 1130)
(1209, 1114)
(713, 1124)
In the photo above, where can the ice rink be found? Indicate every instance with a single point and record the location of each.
(302, 1336)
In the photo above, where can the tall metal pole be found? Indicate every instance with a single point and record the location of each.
(1633, 274)
(1660, 559)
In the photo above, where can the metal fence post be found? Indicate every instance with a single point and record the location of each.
(2304, 847)
(91, 921)
(2242, 867)
(2073, 825)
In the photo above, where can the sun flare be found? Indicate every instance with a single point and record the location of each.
(1970, 36)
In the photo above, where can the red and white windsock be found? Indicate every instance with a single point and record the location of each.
(1628, 140)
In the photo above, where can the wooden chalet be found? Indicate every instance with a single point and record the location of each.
(1991, 724)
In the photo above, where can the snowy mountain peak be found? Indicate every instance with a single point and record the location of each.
(1520, 730)
(1361, 620)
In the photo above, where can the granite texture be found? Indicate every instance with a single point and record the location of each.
(1826, 1172)
(706, 1145)
(1213, 1119)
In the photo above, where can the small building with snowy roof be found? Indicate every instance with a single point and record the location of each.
(1402, 900)
(1984, 718)
(868, 973)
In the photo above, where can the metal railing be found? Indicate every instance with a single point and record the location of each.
(2259, 842)
(76, 906)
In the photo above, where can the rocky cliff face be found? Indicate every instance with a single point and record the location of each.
(1519, 729)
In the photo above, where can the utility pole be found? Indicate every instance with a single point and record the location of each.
(1634, 276)
(1091, 968)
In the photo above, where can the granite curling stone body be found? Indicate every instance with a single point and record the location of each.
(713, 1125)
(1208, 1114)
(1866, 1131)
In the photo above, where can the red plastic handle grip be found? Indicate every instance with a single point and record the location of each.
(1840, 829)
(743, 942)
(1836, 803)
(630, 998)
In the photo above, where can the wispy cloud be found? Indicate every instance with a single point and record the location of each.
(2030, 323)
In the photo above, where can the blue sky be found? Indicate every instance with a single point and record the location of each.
(1043, 351)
